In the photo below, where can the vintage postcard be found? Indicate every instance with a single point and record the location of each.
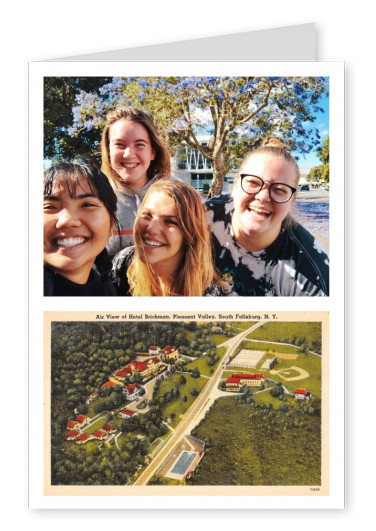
(182, 404)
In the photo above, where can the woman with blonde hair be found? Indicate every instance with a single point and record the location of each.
(172, 253)
(134, 156)
(258, 245)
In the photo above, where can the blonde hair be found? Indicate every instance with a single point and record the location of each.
(196, 272)
(275, 147)
(159, 168)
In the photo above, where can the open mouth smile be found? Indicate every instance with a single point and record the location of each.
(130, 165)
(152, 243)
(259, 211)
(70, 242)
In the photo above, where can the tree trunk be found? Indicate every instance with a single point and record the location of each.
(220, 167)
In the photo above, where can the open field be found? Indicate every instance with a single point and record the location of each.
(268, 347)
(218, 339)
(285, 331)
(176, 406)
(201, 363)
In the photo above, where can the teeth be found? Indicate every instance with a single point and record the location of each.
(130, 165)
(69, 242)
(153, 244)
(260, 211)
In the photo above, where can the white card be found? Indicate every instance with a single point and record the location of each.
(224, 56)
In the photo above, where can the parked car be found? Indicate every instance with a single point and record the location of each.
(304, 188)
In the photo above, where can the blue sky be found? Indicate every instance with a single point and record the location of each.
(322, 123)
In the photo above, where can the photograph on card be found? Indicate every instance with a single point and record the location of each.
(177, 404)
(186, 186)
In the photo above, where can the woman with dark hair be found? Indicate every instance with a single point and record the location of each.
(79, 214)
(134, 157)
(259, 248)
(172, 253)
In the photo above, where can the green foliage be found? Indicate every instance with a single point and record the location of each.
(59, 98)
(282, 448)
(321, 172)
(83, 356)
(167, 397)
(277, 391)
(237, 111)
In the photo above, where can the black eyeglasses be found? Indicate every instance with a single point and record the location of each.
(278, 192)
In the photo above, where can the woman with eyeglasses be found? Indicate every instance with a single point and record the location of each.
(260, 249)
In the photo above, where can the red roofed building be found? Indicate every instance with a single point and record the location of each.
(123, 373)
(169, 353)
(99, 434)
(233, 384)
(108, 384)
(82, 419)
(72, 424)
(83, 438)
(132, 391)
(302, 394)
(250, 379)
(71, 435)
(109, 428)
(127, 413)
(146, 369)
(91, 397)
(237, 380)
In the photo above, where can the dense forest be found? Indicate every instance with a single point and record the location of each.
(83, 356)
(250, 444)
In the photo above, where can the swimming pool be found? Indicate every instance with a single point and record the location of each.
(183, 463)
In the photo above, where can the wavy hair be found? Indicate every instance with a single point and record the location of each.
(159, 168)
(196, 272)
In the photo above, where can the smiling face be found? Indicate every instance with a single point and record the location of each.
(76, 230)
(131, 152)
(158, 236)
(257, 220)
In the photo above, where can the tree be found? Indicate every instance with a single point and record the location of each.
(321, 172)
(59, 98)
(195, 373)
(236, 112)
(277, 391)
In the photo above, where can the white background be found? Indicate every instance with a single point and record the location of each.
(41, 30)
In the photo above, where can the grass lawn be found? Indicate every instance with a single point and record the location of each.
(268, 347)
(177, 406)
(201, 363)
(279, 331)
(97, 425)
(218, 339)
(309, 363)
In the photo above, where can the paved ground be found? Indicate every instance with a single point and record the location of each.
(316, 196)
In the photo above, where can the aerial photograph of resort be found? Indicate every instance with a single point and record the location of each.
(186, 403)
